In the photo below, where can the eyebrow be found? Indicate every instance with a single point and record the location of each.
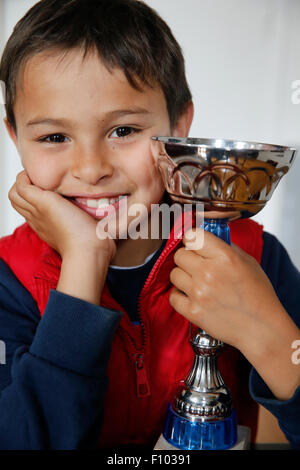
(66, 122)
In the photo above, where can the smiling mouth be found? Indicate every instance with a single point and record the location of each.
(99, 207)
(96, 203)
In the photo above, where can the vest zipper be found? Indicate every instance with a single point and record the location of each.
(143, 388)
(138, 355)
(150, 279)
(142, 383)
(154, 271)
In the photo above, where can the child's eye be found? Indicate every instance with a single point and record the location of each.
(122, 132)
(53, 139)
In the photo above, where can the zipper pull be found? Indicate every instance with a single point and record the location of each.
(142, 384)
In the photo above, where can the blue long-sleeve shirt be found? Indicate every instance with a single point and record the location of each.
(54, 380)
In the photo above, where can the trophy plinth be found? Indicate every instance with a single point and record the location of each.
(231, 179)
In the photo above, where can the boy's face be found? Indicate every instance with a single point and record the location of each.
(103, 142)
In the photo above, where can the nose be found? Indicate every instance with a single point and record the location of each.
(92, 164)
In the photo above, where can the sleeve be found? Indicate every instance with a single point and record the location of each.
(285, 279)
(53, 376)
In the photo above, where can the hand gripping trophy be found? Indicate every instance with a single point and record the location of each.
(232, 180)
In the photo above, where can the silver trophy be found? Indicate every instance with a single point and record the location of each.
(232, 180)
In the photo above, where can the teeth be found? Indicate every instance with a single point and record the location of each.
(92, 203)
(99, 203)
(103, 202)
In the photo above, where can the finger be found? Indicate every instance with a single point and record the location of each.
(16, 199)
(187, 260)
(181, 280)
(211, 244)
(179, 302)
(193, 239)
(26, 189)
(23, 212)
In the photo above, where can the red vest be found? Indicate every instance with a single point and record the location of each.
(149, 360)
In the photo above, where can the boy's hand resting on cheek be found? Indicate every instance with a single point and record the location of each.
(55, 219)
(225, 292)
(71, 232)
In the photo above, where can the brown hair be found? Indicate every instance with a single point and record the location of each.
(126, 33)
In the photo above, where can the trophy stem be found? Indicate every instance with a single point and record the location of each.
(218, 227)
(203, 396)
(201, 415)
(205, 375)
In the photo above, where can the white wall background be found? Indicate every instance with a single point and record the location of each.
(241, 57)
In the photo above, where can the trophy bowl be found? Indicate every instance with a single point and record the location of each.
(228, 179)
(232, 179)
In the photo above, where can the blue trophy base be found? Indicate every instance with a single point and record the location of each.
(210, 435)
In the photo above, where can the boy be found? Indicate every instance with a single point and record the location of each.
(88, 84)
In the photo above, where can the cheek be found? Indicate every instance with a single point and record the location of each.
(144, 171)
(153, 180)
(44, 172)
(44, 180)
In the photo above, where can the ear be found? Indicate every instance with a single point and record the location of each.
(11, 132)
(184, 122)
